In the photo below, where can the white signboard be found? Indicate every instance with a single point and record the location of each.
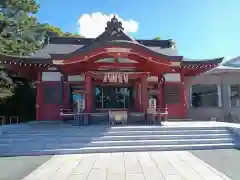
(115, 78)
(152, 102)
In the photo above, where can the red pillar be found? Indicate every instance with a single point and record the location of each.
(144, 93)
(39, 96)
(137, 96)
(88, 88)
(161, 96)
(183, 98)
(66, 94)
(161, 92)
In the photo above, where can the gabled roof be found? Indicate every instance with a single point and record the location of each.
(114, 35)
(56, 48)
(84, 41)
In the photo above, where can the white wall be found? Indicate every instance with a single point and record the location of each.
(76, 78)
(172, 77)
(51, 76)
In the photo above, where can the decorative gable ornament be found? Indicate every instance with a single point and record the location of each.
(114, 26)
(115, 78)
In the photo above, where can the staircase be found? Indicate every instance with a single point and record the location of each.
(61, 139)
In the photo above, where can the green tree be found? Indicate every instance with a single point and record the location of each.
(68, 34)
(20, 31)
(55, 31)
(157, 38)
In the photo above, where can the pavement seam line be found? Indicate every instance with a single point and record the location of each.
(177, 154)
(97, 154)
(164, 156)
(156, 165)
(141, 167)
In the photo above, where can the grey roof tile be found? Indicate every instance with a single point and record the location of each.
(165, 51)
(56, 49)
(235, 62)
(69, 48)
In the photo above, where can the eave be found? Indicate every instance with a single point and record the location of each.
(193, 68)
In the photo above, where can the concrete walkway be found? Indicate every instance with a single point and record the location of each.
(172, 165)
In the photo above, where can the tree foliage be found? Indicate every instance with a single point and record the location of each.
(20, 31)
(55, 31)
(21, 34)
(157, 38)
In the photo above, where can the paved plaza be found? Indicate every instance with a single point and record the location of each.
(172, 165)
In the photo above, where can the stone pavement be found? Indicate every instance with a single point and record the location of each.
(171, 165)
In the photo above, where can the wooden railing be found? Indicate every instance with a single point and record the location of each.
(157, 115)
(78, 117)
(154, 116)
(9, 120)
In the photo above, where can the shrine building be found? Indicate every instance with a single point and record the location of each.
(110, 72)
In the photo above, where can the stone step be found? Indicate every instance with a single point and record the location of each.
(66, 139)
(118, 143)
(99, 129)
(161, 137)
(166, 132)
(155, 147)
(109, 149)
(161, 142)
(117, 133)
(164, 128)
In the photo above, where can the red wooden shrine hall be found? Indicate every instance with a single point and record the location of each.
(112, 71)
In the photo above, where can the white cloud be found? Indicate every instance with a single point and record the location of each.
(92, 25)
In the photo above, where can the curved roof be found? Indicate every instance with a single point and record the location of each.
(202, 61)
(232, 65)
(122, 43)
(84, 41)
(115, 36)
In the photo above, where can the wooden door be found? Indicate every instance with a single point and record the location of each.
(51, 99)
(173, 99)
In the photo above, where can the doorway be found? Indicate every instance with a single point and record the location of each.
(110, 97)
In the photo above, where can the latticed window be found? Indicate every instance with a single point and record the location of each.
(172, 94)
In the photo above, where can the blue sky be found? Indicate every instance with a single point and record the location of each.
(201, 28)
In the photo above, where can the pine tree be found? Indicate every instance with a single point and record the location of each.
(20, 31)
